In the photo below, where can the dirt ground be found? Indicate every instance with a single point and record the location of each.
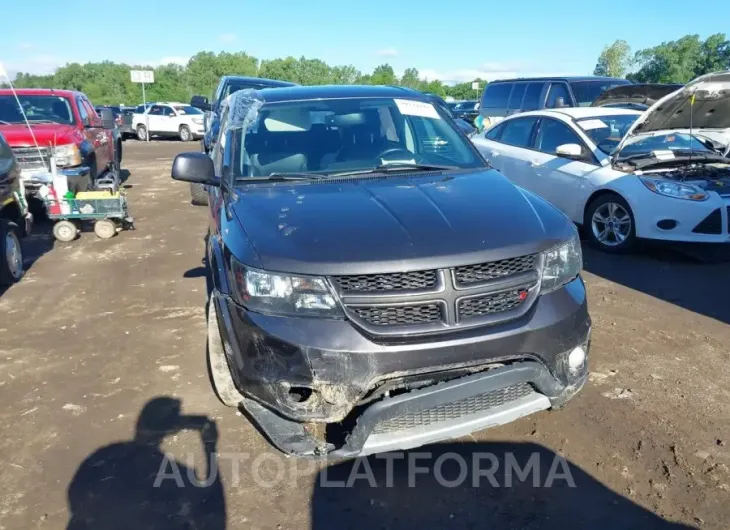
(102, 330)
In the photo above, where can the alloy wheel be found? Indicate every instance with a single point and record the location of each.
(611, 224)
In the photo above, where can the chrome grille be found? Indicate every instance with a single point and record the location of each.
(397, 282)
(491, 303)
(30, 159)
(399, 315)
(481, 272)
(455, 410)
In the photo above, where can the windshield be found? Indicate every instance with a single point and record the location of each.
(187, 109)
(353, 134)
(586, 92)
(607, 131)
(49, 109)
(466, 105)
(663, 145)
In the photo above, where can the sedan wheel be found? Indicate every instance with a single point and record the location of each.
(611, 223)
(11, 270)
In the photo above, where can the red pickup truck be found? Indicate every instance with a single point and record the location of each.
(65, 126)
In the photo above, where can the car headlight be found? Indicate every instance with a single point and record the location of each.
(561, 265)
(283, 294)
(67, 155)
(677, 190)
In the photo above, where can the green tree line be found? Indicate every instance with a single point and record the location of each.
(677, 61)
(109, 83)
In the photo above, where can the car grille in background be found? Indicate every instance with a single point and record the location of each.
(455, 410)
(396, 282)
(495, 269)
(29, 158)
(490, 304)
(399, 315)
(712, 224)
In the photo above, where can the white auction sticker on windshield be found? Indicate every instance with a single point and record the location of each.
(417, 108)
(588, 125)
(663, 155)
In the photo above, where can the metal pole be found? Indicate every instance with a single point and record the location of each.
(146, 114)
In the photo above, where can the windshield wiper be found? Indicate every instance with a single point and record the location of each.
(396, 166)
(5, 122)
(43, 121)
(283, 177)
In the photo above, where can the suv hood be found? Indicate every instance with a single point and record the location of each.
(703, 104)
(18, 135)
(394, 223)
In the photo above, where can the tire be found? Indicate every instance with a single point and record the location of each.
(218, 369)
(118, 154)
(65, 231)
(609, 224)
(11, 254)
(186, 134)
(198, 194)
(141, 133)
(105, 228)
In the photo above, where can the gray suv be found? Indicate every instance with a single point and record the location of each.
(375, 284)
(503, 98)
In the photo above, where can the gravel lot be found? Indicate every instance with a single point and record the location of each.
(104, 339)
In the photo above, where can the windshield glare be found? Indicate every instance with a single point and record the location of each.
(342, 135)
(607, 131)
(53, 109)
(663, 142)
(187, 109)
(586, 92)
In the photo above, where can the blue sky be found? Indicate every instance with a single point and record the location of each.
(446, 40)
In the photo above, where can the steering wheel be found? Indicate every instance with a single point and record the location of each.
(392, 150)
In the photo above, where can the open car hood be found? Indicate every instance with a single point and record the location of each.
(701, 105)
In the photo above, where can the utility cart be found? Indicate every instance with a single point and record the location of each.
(107, 211)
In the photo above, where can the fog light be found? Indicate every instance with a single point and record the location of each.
(576, 359)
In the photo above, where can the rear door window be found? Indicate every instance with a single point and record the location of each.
(515, 99)
(531, 100)
(518, 132)
(496, 96)
(558, 90)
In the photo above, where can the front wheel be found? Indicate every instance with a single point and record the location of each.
(610, 225)
(141, 133)
(65, 231)
(218, 370)
(11, 266)
(198, 194)
(105, 228)
(185, 134)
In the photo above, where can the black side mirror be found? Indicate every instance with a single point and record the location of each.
(200, 102)
(107, 118)
(194, 167)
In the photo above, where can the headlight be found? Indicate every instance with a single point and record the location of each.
(67, 155)
(561, 265)
(674, 189)
(282, 294)
(199, 121)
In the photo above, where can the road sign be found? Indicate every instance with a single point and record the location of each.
(143, 76)
(474, 85)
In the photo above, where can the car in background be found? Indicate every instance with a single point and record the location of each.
(623, 174)
(122, 118)
(15, 221)
(639, 96)
(228, 84)
(169, 119)
(511, 96)
(466, 110)
(369, 271)
(63, 125)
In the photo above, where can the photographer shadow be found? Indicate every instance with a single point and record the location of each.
(449, 486)
(134, 484)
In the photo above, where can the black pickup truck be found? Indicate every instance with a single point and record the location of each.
(14, 217)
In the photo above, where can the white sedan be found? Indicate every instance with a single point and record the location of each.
(622, 174)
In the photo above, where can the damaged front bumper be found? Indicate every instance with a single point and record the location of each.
(320, 387)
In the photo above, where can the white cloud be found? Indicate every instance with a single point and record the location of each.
(227, 38)
(387, 52)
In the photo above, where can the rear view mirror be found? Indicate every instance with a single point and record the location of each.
(107, 118)
(572, 151)
(194, 167)
(200, 102)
